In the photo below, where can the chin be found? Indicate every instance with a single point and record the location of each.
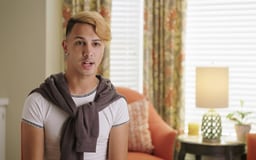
(89, 74)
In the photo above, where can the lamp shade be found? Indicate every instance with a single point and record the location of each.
(212, 87)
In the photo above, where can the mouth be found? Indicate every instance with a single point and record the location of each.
(87, 64)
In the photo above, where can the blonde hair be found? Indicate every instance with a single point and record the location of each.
(93, 18)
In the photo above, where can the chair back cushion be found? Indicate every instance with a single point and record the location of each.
(139, 134)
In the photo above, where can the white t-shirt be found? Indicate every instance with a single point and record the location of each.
(42, 113)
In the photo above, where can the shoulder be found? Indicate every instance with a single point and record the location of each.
(36, 104)
(35, 98)
(118, 106)
(120, 102)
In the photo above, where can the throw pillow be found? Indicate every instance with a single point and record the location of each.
(139, 134)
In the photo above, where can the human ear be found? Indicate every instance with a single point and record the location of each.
(65, 46)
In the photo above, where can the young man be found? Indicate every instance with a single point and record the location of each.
(77, 115)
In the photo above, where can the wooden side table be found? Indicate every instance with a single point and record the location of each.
(228, 148)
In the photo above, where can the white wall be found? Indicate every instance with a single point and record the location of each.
(30, 49)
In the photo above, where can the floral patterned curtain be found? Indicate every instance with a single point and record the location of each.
(71, 7)
(163, 57)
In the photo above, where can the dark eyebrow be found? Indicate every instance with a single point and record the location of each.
(97, 40)
(78, 37)
(94, 40)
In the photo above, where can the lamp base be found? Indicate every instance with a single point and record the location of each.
(211, 127)
(211, 140)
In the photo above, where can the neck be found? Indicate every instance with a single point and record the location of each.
(81, 86)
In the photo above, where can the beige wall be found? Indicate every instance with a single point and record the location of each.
(30, 49)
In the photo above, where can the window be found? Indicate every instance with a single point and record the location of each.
(221, 33)
(127, 43)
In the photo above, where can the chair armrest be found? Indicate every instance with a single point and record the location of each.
(163, 136)
(251, 145)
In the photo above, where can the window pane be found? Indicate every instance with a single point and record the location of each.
(126, 44)
(221, 33)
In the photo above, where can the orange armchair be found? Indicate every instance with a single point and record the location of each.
(163, 136)
(251, 145)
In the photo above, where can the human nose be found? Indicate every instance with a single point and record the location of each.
(87, 51)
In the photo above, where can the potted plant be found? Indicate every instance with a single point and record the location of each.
(243, 121)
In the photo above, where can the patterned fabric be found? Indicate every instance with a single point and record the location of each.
(71, 7)
(163, 56)
(139, 135)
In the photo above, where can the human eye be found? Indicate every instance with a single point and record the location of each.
(96, 44)
(79, 43)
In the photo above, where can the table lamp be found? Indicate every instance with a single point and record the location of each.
(211, 92)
